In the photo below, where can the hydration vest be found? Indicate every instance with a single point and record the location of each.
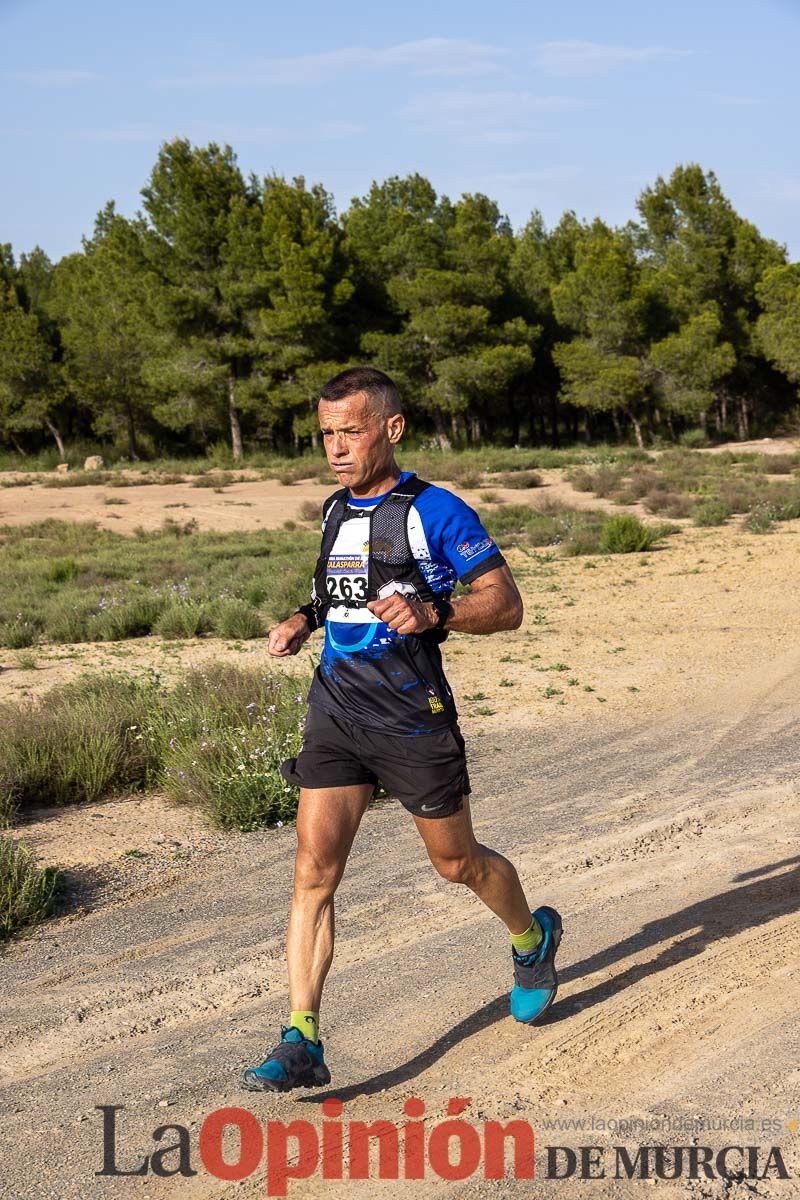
(389, 560)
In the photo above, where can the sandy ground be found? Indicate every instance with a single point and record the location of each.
(653, 801)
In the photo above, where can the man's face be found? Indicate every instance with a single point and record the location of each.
(359, 439)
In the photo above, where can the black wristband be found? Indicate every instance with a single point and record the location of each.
(444, 610)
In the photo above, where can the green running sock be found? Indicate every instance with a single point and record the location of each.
(526, 943)
(307, 1022)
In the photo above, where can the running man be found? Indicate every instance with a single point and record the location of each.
(380, 707)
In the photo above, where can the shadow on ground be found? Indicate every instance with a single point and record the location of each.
(695, 927)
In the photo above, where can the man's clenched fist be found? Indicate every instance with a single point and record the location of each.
(404, 615)
(288, 637)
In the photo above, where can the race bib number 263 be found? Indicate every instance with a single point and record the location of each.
(344, 588)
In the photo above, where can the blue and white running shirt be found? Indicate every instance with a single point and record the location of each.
(369, 674)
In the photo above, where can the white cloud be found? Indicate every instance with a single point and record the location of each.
(442, 57)
(583, 58)
(500, 117)
(54, 77)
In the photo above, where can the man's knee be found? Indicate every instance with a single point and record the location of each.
(316, 871)
(458, 869)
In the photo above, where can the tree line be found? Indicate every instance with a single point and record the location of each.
(218, 311)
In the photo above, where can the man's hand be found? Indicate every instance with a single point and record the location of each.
(403, 615)
(288, 637)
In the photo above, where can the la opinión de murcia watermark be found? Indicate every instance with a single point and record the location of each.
(452, 1149)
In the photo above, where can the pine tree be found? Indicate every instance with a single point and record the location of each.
(205, 252)
(450, 332)
(100, 299)
(306, 276)
(604, 301)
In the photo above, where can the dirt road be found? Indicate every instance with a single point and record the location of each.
(671, 850)
(654, 802)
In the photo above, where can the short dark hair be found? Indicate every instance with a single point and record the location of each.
(373, 383)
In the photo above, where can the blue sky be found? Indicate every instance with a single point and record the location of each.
(550, 106)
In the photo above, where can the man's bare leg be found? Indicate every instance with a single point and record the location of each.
(458, 856)
(327, 821)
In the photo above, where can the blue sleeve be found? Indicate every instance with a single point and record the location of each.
(456, 536)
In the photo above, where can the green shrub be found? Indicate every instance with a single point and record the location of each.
(119, 621)
(626, 534)
(226, 732)
(255, 592)
(694, 439)
(75, 744)
(178, 529)
(779, 464)
(69, 624)
(790, 510)
(214, 479)
(738, 496)
(183, 620)
(523, 525)
(219, 454)
(761, 519)
(468, 479)
(581, 479)
(603, 481)
(582, 542)
(710, 512)
(19, 632)
(672, 504)
(642, 482)
(236, 619)
(77, 479)
(28, 894)
(62, 569)
(216, 740)
(519, 479)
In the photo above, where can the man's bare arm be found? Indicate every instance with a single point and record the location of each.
(493, 604)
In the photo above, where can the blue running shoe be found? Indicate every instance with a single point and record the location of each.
(295, 1062)
(535, 978)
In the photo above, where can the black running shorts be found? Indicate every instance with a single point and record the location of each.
(427, 773)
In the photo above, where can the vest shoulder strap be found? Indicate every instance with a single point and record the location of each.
(409, 487)
(339, 494)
